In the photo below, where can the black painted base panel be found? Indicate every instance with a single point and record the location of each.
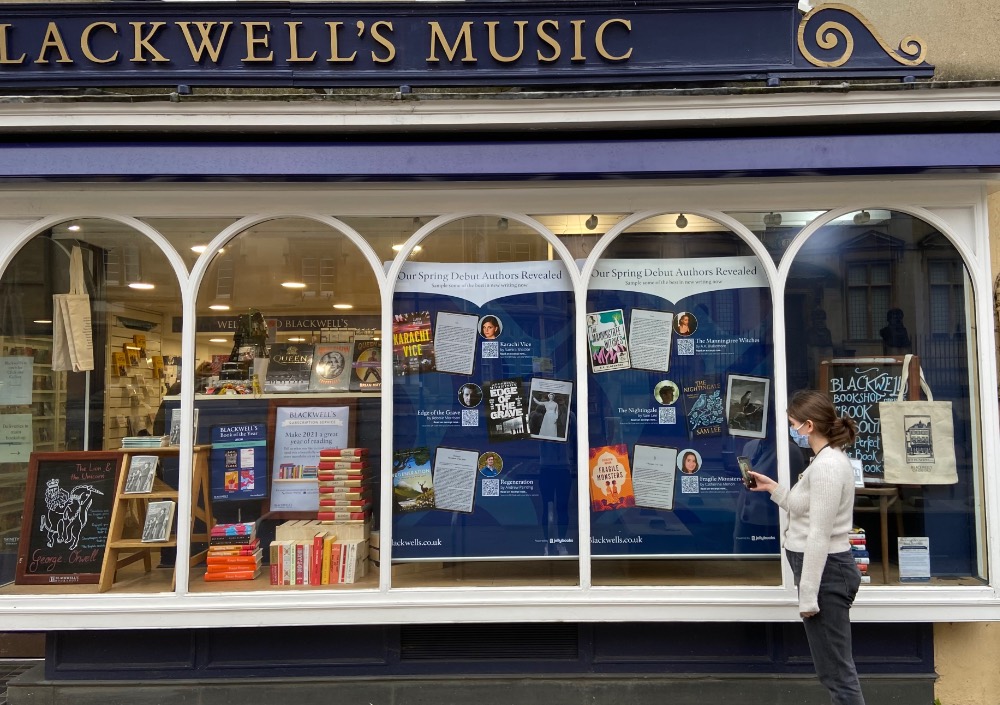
(31, 688)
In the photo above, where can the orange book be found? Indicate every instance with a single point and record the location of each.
(233, 575)
(336, 569)
(610, 478)
(233, 560)
(231, 568)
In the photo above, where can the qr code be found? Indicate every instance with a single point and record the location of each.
(491, 487)
(470, 417)
(689, 484)
(685, 346)
(491, 350)
(668, 415)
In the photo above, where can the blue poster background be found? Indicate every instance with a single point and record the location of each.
(733, 336)
(536, 512)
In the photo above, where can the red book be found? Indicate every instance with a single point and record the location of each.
(300, 556)
(338, 452)
(232, 560)
(336, 550)
(233, 575)
(237, 550)
(212, 569)
(345, 493)
(275, 563)
(341, 465)
(332, 502)
(340, 516)
(316, 559)
(330, 479)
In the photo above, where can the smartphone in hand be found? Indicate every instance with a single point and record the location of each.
(748, 480)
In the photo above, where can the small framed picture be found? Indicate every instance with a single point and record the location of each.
(746, 405)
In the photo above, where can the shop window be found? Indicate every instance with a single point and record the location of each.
(49, 509)
(883, 285)
(680, 386)
(484, 396)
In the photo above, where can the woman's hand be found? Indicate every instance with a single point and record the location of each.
(764, 483)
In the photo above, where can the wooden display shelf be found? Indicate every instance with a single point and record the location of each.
(122, 550)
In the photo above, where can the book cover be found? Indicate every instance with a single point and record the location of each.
(704, 408)
(131, 354)
(412, 343)
(505, 410)
(159, 521)
(412, 482)
(366, 367)
(341, 485)
(331, 370)
(233, 575)
(610, 478)
(141, 473)
(235, 559)
(238, 462)
(289, 368)
(120, 363)
(607, 341)
(341, 465)
(234, 550)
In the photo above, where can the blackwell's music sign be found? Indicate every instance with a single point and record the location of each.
(335, 44)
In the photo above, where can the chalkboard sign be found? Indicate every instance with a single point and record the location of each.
(856, 385)
(67, 512)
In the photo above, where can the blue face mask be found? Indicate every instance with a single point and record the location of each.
(801, 439)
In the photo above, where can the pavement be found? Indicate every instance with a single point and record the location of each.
(10, 669)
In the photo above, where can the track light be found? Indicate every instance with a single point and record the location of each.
(772, 220)
(502, 223)
(591, 222)
(862, 218)
(681, 221)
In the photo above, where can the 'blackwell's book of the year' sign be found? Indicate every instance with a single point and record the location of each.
(238, 462)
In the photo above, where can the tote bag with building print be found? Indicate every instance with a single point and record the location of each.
(918, 438)
(72, 340)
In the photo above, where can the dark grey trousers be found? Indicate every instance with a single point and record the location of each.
(829, 632)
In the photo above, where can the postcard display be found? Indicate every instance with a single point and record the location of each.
(681, 363)
(484, 449)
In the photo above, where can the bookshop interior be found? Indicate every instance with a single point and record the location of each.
(509, 398)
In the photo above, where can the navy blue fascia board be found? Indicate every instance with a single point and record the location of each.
(573, 42)
(570, 159)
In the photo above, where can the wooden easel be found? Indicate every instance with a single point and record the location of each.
(121, 550)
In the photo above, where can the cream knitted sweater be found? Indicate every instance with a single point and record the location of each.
(820, 513)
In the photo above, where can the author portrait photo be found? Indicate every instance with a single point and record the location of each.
(685, 323)
(469, 395)
(489, 327)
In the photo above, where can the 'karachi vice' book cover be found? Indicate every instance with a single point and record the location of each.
(607, 341)
(412, 343)
(610, 478)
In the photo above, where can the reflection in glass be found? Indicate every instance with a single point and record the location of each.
(873, 286)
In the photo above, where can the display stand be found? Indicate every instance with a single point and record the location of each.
(121, 550)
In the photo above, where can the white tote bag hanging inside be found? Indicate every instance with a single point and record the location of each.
(72, 340)
(918, 438)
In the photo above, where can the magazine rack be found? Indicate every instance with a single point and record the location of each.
(121, 550)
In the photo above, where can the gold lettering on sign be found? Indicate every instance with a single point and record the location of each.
(253, 41)
(578, 40)
(334, 45)
(85, 42)
(383, 41)
(548, 39)
(205, 30)
(4, 58)
(53, 40)
(464, 37)
(492, 27)
(293, 41)
(599, 40)
(142, 43)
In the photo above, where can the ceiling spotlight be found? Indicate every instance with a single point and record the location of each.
(74, 228)
(502, 223)
(219, 307)
(862, 217)
(293, 285)
(217, 340)
(141, 285)
(297, 339)
(199, 248)
(772, 220)
(42, 320)
(397, 248)
(591, 222)
(343, 307)
(681, 221)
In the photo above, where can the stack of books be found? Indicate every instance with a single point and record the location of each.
(344, 478)
(309, 552)
(859, 549)
(145, 441)
(234, 552)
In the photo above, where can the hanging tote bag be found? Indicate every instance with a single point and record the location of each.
(72, 340)
(918, 438)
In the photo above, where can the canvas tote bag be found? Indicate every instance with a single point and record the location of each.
(72, 341)
(918, 438)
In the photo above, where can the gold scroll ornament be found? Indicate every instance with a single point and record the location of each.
(830, 34)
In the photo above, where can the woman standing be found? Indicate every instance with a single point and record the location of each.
(820, 514)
